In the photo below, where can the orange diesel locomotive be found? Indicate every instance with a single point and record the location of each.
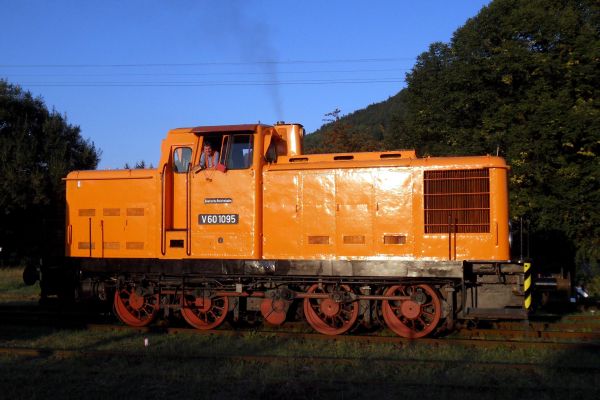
(342, 239)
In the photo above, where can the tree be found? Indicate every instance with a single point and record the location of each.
(521, 78)
(37, 149)
(139, 165)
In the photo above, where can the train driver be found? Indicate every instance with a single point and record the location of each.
(210, 157)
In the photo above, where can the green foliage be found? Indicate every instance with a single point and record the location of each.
(37, 149)
(341, 138)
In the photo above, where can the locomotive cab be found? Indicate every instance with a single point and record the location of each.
(210, 208)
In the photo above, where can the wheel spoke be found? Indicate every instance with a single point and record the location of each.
(212, 316)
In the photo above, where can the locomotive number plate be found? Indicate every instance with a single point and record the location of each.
(218, 219)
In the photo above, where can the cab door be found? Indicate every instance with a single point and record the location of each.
(176, 203)
(225, 223)
(182, 157)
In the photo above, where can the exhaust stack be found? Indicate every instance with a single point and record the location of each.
(293, 135)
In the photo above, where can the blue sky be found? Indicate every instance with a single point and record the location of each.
(128, 71)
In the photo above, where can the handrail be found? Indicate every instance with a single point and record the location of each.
(90, 233)
(163, 238)
(449, 236)
(455, 232)
(188, 211)
(452, 231)
(102, 238)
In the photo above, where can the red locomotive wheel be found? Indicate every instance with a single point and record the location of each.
(327, 316)
(412, 318)
(274, 311)
(203, 312)
(134, 309)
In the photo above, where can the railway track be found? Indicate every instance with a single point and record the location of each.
(574, 333)
(536, 333)
(364, 338)
(465, 340)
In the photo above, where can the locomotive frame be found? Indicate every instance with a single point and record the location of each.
(342, 239)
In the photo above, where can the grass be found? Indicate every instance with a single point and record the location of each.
(167, 367)
(13, 290)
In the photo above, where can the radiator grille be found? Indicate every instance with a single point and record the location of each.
(460, 197)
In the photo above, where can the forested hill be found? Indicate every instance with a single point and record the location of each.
(368, 128)
(521, 78)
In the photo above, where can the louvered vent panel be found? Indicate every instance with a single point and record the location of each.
(460, 197)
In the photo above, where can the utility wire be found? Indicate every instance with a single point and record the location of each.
(271, 78)
(210, 63)
(342, 71)
(222, 83)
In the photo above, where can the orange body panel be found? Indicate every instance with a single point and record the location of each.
(113, 213)
(280, 204)
(320, 210)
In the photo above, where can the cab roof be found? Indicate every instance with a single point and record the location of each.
(228, 128)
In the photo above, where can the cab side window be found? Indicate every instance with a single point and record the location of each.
(240, 152)
(182, 157)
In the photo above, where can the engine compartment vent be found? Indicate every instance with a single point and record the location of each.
(457, 199)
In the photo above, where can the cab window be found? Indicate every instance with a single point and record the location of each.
(240, 152)
(182, 156)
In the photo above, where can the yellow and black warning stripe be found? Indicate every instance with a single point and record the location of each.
(527, 285)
